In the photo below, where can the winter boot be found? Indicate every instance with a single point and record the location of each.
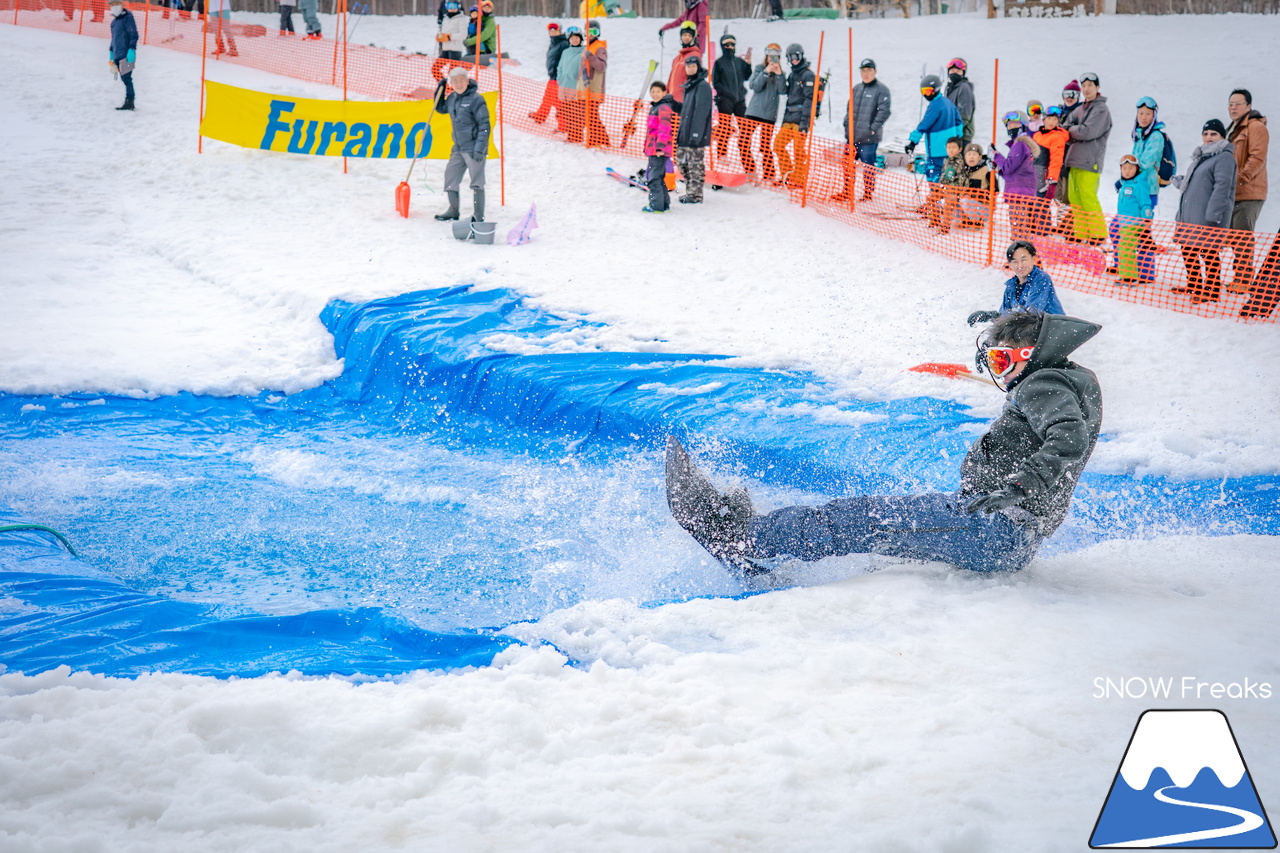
(127, 105)
(452, 212)
(716, 521)
(477, 202)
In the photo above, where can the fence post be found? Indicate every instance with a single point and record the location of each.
(204, 55)
(991, 217)
(813, 117)
(502, 137)
(851, 173)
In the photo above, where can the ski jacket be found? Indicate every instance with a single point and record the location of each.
(953, 172)
(1208, 191)
(569, 76)
(960, 93)
(800, 88)
(1018, 168)
(695, 113)
(470, 117)
(871, 103)
(1053, 145)
(455, 27)
(729, 78)
(488, 35)
(1035, 293)
(657, 137)
(1148, 147)
(979, 177)
(124, 36)
(596, 65)
(1047, 431)
(1089, 126)
(696, 11)
(675, 81)
(557, 46)
(941, 122)
(1133, 197)
(766, 92)
(592, 9)
(1251, 138)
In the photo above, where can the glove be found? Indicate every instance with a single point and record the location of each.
(130, 55)
(911, 146)
(982, 317)
(661, 33)
(442, 36)
(1010, 495)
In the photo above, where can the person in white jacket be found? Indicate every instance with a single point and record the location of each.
(453, 31)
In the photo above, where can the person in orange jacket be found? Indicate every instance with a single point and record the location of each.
(688, 47)
(1052, 139)
(595, 63)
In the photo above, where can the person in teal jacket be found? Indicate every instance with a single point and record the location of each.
(1130, 233)
(569, 78)
(1148, 144)
(941, 122)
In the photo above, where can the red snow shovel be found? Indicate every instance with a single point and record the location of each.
(402, 189)
(950, 371)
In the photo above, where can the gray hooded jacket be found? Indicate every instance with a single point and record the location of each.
(1208, 191)
(1048, 428)
(766, 90)
(1089, 125)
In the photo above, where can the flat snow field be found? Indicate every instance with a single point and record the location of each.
(914, 709)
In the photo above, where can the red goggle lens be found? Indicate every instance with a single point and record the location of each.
(1001, 360)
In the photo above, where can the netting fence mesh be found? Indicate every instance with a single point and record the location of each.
(1211, 272)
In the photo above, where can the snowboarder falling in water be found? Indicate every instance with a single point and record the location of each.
(1016, 482)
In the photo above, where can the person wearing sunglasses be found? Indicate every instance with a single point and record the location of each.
(1208, 196)
(960, 93)
(1030, 289)
(940, 123)
(1089, 126)
(1016, 482)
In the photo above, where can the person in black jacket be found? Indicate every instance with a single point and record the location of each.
(729, 76)
(470, 116)
(551, 93)
(1016, 482)
(123, 49)
(694, 134)
(870, 110)
(801, 86)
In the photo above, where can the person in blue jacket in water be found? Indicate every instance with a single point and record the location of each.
(1029, 289)
(1016, 481)
(124, 48)
(941, 122)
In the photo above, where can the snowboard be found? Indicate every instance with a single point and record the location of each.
(618, 176)
(716, 178)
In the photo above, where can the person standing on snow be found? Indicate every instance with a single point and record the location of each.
(469, 114)
(1030, 289)
(729, 77)
(1070, 98)
(960, 93)
(1052, 139)
(658, 147)
(551, 93)
(871, 109)
(1089, 125)
(940, 123)
(310, 17)
(593, 71)
(1249, 136)
(453, 32)
(801, 89)
(695, 13)
(688, 47)
(1148, 145)
(569, 81)
(1019, 172)
(1129, 229)
(1208, 196)
(123, 49)
(694, 134)
(1016, 482)
(767, 85)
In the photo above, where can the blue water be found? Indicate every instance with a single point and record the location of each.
(438, 490)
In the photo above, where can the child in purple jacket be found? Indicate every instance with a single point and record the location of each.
(1018, 169)
(658, 141)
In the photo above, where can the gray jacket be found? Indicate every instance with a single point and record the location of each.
(1089, 125)
(1208, 191)
(766, 91)
(960, 93)
(1048, 428)
(871, 110)
(470, 117)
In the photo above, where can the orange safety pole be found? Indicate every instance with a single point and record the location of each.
(480, 38)
(218, 53)
(337, 42)
(79, 29)
(813, 117)
(345, 46)
(991, 218)
(853, 110)
(204, 55)
(146, 21)
(710, 60)
(582, 72)
(502, 139)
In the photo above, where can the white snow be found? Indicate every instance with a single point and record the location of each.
(912, 709)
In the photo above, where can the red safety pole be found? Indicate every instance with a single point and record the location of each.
(991, 218)
(502, 139)
(853, 110)
(204, 55)
(813, 117)
(582, 74)
(146, 21)
(217, 53)
(79, 30)
(345, 56)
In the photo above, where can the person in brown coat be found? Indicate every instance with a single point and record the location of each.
(1248, 133)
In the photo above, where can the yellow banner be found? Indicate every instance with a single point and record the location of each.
(331, 128)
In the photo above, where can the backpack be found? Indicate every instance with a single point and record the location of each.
(1168, 161)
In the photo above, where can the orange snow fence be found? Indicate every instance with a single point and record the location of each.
(1211, 272)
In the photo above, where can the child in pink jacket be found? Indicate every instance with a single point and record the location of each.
(658, 142)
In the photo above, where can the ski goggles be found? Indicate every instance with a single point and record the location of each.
(1011, 117)
(1130, 159)
(1070, 95)
(1090, 78)
(928, 91)
(1054, 110)
(1148, 102)
(958, 64)
(729, 44)
(1001, 361)
(1035, 109)
(594, 32)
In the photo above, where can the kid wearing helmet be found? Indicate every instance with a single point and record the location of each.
(940, 123)
(801, 86)
(960, 93)
(569, 79)
(1129, 229)
(695, 13)
(1018, 168)
(767, 85)
(688, 47)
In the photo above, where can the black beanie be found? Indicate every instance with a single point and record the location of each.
(1214, 124)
